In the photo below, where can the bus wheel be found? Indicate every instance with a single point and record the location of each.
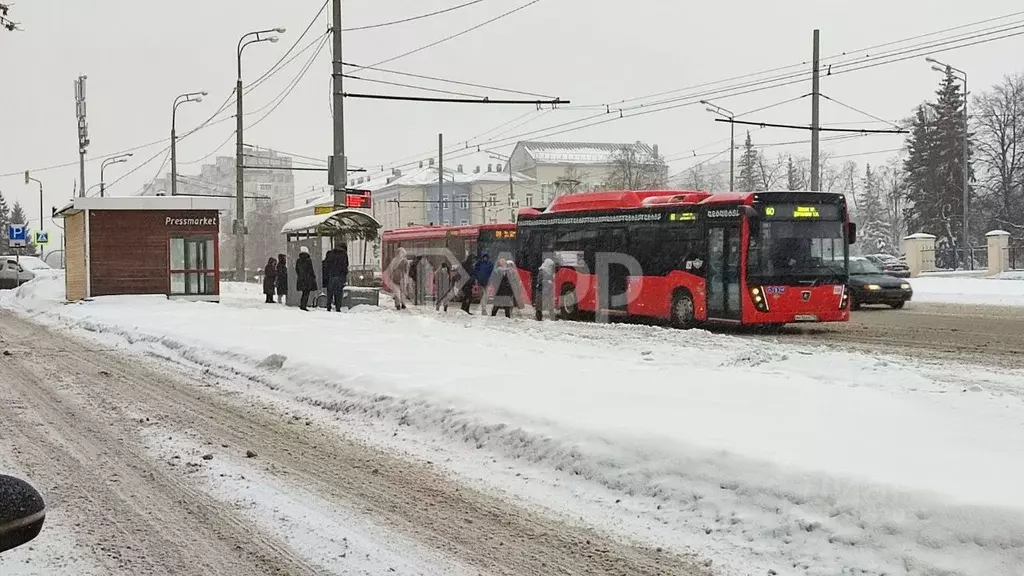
(682, 310)
(569, 306)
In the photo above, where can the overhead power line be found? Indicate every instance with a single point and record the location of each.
(799, 127)
(475, 100)
(273, 69)
(411, 18)
(401, 85)
(445, 80)
(452, 36)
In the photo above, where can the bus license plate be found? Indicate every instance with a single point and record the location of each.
(806, 318)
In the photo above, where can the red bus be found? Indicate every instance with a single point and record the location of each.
(477, 239)
(760, 258)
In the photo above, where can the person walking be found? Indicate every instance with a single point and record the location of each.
(282, 278)
(399, 278)
(442, 286)
(468, 281)
(544, 290)
(270, 280)
(335, 273)
(305, 278)
(483, 271)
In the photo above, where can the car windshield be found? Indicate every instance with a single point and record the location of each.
(862, 267)
(798, 249)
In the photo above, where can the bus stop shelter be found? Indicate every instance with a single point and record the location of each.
(321, 232)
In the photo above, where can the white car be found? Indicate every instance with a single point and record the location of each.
(13, 274)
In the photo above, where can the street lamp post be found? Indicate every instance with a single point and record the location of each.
(239, 223)
(946, 68)
(108, 162)
(189, 97)
(31, 179)
(716, 109)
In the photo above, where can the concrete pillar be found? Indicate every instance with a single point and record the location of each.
(998, 251)
(920, 251)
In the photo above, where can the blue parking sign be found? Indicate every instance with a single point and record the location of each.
(16, 235)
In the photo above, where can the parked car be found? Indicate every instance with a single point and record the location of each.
(30, 263)
(890, 265)
(13, 274)
(869, 284)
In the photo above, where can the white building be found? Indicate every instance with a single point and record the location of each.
(570, 167)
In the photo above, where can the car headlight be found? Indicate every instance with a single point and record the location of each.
(905, 286)
(873, 287)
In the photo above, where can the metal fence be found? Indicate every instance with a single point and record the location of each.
(959, 258)
(1015, 256)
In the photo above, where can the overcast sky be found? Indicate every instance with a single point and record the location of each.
(140, 54)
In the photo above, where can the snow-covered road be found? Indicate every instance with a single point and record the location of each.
(763, 455)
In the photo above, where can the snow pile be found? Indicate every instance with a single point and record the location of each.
(962, 290)
(765, 455)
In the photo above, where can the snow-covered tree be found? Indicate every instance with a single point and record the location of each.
(999, 120)
(749, 167)
(875, 235)
(5, 218)
(633, 168)
(5, 22)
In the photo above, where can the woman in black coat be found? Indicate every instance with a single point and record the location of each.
(305, 277)
(270, 280)
(282, 278)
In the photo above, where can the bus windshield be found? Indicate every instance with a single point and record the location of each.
(497, 243)
(798, 251)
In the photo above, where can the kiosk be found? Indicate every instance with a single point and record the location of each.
(143, 245)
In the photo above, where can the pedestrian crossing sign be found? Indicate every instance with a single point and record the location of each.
(42, 238)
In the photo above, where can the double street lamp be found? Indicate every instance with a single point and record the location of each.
(239, 223)
(716, 109)
(108, 162)
(188, 97)
(962, 76)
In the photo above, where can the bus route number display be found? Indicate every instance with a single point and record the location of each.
(504, 234)
(801, 212)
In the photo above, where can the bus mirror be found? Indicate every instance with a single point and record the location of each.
(851, 232)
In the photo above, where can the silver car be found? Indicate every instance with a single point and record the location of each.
(13, 274)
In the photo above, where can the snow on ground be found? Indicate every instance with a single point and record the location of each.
(760, 455)
(1006, 289)
(338, 541)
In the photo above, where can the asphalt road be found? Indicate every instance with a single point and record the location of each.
(970, 334)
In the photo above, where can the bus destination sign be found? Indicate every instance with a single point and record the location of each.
(801, 212)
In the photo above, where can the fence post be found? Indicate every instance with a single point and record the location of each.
(998, 251)
(920, 251)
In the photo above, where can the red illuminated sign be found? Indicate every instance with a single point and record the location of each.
(357, 198)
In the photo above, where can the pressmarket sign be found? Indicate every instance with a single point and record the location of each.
(206, 221)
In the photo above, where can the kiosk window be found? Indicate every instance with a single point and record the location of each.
(192, 266)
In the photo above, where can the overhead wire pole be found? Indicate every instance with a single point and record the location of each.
(339, 176)
(732, 139)
(816, 115)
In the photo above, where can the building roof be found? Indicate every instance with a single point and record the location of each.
(578, 152)
(145, 203)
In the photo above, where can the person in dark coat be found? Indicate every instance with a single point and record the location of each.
(468, 280)
(270, 280)
(484, 269)
(505, 293)
(442, 286)
(282, 278)
(335, 273)
(305, 277)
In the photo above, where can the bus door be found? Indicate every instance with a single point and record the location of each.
(723, 270)
(613, 285)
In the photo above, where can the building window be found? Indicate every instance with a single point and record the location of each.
(444, 202)
(464, 222)
(447, 222)
(529, 199)
(265, 187)
(464, 202)
(192, 266)
(493, 199)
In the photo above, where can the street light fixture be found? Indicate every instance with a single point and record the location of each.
(716, 109)
(945, 69)
(108, 162)
(28, 179)
(239, 223)
(188, 97)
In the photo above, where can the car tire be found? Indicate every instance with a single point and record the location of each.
(683, 312)
(568, 303)
(898, 305)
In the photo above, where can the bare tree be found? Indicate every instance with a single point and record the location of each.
(999, 118)
(637, 169)
(5, 22)
(771, 174)
(574, 181)
(700, 178)
(893, 190)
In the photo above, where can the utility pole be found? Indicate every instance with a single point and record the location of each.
(83, 131)
(440, 181)
(340, 176)
(716, 109)
(815, 116)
